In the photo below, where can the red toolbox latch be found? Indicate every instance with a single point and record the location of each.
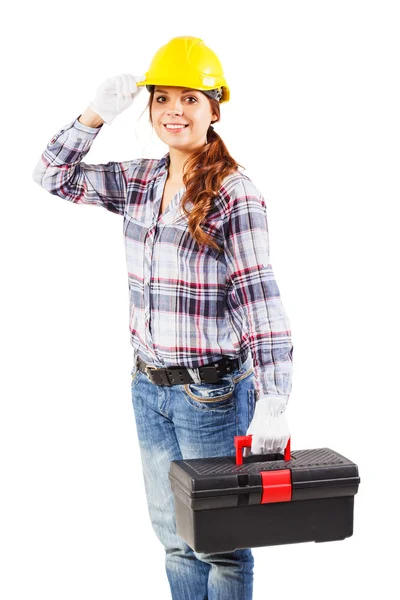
(277, 486)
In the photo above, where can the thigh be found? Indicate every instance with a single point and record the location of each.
(158, 447)
(207, 417)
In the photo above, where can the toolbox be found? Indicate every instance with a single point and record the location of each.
(230, 502)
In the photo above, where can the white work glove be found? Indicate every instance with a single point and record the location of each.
(269, 426)
(115, 95)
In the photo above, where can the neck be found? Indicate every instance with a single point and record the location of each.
(177, 159)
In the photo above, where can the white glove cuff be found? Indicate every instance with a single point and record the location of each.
(107, 117)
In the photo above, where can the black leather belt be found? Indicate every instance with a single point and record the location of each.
(180, 375)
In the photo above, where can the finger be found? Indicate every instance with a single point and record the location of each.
(269, 446)
(129, 85)
(257, 446)
(125, 85)
(132, 84)
(119, 86)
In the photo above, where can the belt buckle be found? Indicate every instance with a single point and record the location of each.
(162, 378)
(209, 374)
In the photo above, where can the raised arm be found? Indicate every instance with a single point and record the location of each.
(60, 169)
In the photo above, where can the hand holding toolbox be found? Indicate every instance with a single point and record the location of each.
(223, 504)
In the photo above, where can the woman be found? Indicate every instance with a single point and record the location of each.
(211, 339)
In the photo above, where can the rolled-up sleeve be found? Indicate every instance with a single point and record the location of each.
(253, 290)
(61, 172)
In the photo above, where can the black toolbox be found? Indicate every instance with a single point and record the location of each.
(226, 503)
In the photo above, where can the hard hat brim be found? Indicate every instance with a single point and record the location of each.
(225, 89)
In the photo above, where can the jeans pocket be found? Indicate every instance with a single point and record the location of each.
(211, 396)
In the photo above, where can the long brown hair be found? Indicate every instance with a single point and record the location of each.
(205, 170)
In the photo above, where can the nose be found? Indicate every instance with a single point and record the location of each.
(176, 107)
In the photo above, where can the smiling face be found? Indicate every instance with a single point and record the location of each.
(181, 106)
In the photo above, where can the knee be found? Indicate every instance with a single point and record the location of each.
(173, 544)
(227, 558)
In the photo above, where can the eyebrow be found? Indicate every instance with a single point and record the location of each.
(183, 91)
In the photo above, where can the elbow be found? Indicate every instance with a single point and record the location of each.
(47, 177)
(38, 173)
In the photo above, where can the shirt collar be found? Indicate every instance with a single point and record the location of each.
(164, 162)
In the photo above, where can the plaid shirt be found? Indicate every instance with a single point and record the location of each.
(190, 305)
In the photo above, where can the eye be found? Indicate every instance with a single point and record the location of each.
(187, 98)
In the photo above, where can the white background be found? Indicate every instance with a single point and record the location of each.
(314, 118)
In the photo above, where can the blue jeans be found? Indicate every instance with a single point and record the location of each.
(193, 421)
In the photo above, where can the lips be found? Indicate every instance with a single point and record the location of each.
(175, 130)
(180, 125)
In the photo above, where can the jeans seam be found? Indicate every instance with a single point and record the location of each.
(217, 399)
(240, 377)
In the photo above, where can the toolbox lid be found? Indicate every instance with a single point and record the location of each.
(313, 473)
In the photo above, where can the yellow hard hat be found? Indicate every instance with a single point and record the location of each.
(186, 61)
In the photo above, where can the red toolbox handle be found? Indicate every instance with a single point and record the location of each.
(244, 441)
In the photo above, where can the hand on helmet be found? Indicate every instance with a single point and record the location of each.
(269, 427)
(115, 95)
